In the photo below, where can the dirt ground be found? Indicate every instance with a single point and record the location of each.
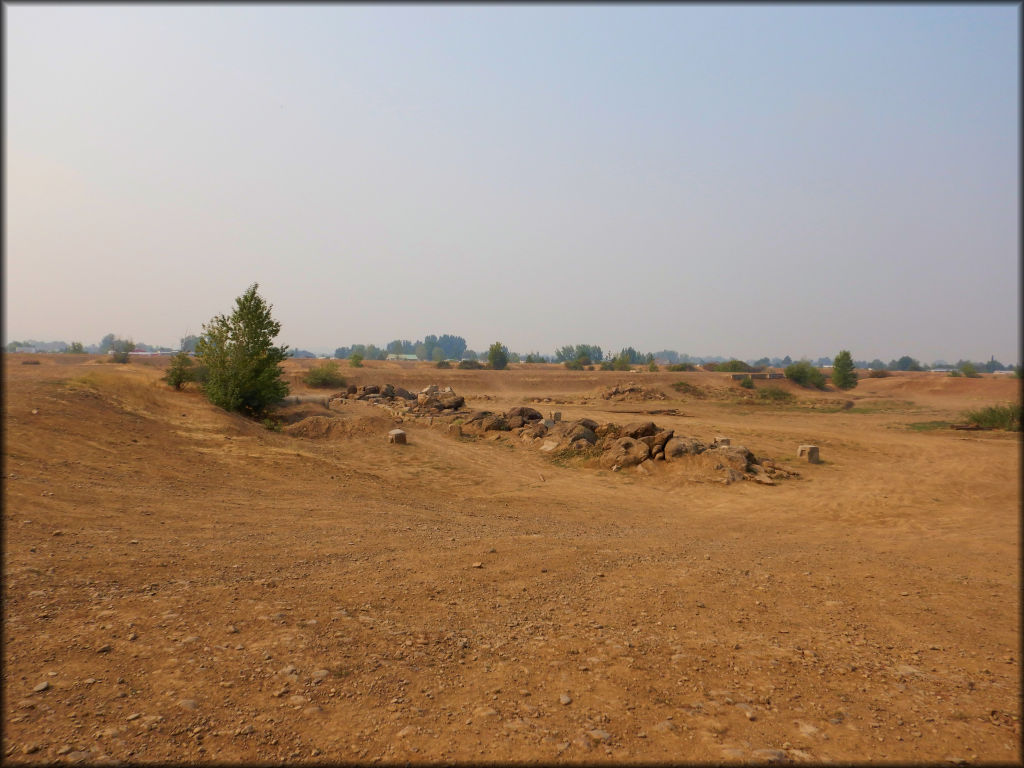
(183, 585)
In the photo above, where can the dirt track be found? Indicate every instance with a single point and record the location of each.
(193, 587)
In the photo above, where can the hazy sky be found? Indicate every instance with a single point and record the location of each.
(738, 180)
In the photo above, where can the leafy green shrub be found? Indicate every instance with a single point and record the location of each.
(686, 388)
(955, 373)
(607, 365)
(775, 394)
(844, 376)
(355, 360)
(497, 356)
(573, 365)
(996, 417)
(652, 366)
(243, 364)
(805, 374)
(120, 350)
(180, 371)
(324, 375)
(469, 365)
(747, 383)
(733, 366)
(272, 425)
(75, 348)
(968, 370)
(443, 364)
(879, 373)
(678, 367)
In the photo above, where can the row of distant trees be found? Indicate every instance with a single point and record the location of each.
(452, 347)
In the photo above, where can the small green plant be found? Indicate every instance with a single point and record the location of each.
(324, 375)
(686, 388)
(968, 370)
(996, 417)
(443, 364)
(747, 383)
(733, 366)
(928, 426)
(652, 366)
(607, 365)
(497, 356)
(879, 373)
(356, 360)
(574, 365)
(679, 367)
(805, 374)
(120, 350)
(180, 371)
(775, 394)
(955, 373)
(844, 376)
(469, 365)
(272, 425)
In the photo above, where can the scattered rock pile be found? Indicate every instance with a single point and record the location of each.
(432, 400)
(632, 392)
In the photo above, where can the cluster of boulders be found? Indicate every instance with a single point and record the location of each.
(632, 391)
(618, 447)
(430, 400)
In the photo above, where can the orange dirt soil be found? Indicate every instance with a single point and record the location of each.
(182, 584)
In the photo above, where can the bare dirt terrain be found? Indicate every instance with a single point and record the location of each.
(181, 584)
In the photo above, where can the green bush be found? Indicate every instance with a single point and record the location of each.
(805, 374)
(497, 356)
(120, 350)
(244, 372)
(879, 373)
(678, 367)
(180, 371)
(324, 375)
(75, 348)
(469, 365)
(733, 366)
(775, 394)
(968, 370)
(607, 365)
(443, 364)
(574, 365)
(996, 417)
(747, 383)
(652, 366)
(843, 374)
(955, 373)
(355, 360)
(686, 388)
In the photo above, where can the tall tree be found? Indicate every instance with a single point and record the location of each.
(843, 374)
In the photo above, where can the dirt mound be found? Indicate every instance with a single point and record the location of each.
(632, 392)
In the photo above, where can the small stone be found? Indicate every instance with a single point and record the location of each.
(297, 701)
(478, 565)
(312, 710)
(565, 699)
(134, 716)
(79, 756)
(485, 712)
(29, 749)
(407, 731)
(103, 649)
(64, 750)
(133, 636)
(320, 675)
(41, 687)
(666, 726)
(769, 755)
(189, 704)
(232, 629)
(598, 735)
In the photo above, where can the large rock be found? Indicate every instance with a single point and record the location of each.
(734, 457)
(404, 393)
(589, 424)
(624, 452)
(640, 429)
(677, 447)
(660, 439)
(608, 430)
(527, 414)
(580, 432)
(450, 400)
(495, 422)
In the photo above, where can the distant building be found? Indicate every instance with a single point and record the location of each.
(26, 350)
(393, 356)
